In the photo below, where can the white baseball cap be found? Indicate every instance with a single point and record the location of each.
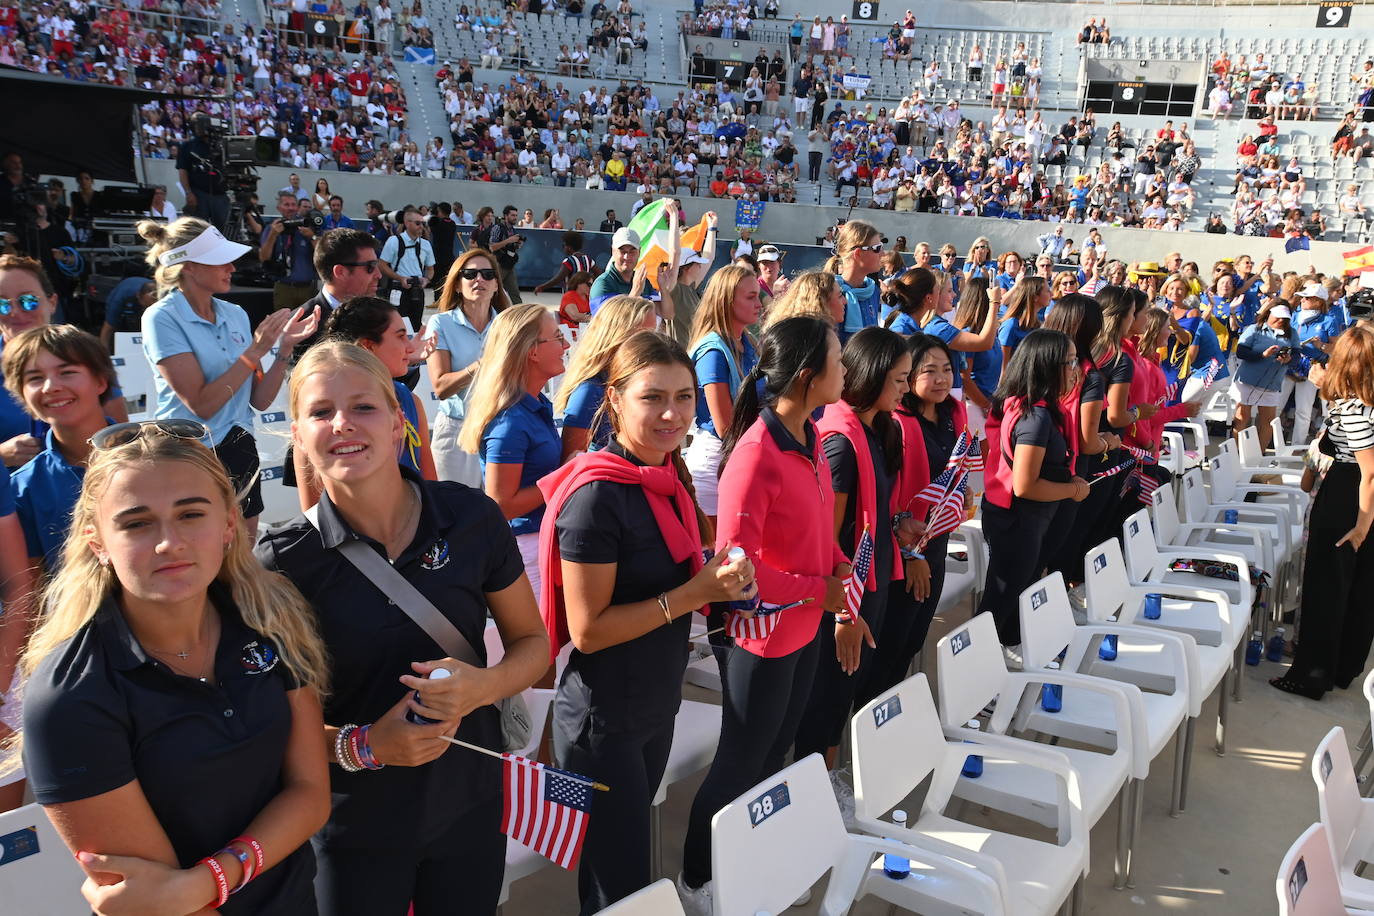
(625, 236)
(210, 247)
(1313, 291)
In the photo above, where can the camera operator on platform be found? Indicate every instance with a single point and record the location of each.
(207, 195)
(408, 263)
(287, 248)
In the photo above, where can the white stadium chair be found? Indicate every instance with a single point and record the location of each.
(1306, 884)
(1348, 818)
(38, 876)
(658, 899)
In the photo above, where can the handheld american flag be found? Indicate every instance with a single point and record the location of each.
(1210, 375)
(858, 579)
(946, 492)
(1114, 470)
(545, 809)
(759, 625)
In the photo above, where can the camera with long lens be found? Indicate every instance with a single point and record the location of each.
(311, 219)
(1360, 303)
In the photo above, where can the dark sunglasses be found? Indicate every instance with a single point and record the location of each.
(472, 273)
(369, 266)
(28, 302)
(124, 433)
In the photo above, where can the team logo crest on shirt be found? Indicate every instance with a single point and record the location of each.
(436, 557)
(237, 337)
(258, 658)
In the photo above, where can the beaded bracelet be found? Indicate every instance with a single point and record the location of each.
(221, 882)
(341, 750)
(245, 861)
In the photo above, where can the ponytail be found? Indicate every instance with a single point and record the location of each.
(747, 409)
(708, 531)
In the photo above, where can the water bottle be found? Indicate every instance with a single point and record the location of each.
(1254, 649)
(748, 605)
(1052, 695)
(1152, 603)
(894, 866)
(973, 764)
(1107, 651)
(1231, 516)
(412, 716)
(1276, 643)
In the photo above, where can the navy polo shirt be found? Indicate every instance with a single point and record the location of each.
(100, 713)
(462, 550)
(524, 434)
(45, 490)
(583, 405)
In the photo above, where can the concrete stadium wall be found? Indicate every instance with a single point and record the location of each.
(794, 223)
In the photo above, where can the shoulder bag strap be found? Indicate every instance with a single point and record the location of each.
(408, 598)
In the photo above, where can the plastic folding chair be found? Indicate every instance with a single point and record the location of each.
(40, 877)
(1366, 743)
(1206, 539)
(1275, 522)
(1188, 612)
(897, 744)
(1157, 717)
(776, 840)
(1281, 446)
(1147, 564)
(972, 674)
(1347, 817)
(1307, 884)
(1252, 457)
(658, 899)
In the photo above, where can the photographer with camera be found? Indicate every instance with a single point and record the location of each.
(501, 239)
(408, 265)
(286, 249)
(200, 171)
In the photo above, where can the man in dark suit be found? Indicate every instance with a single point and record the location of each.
(346, 261)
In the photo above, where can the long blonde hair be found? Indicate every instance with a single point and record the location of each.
(500, 379)
(267, 601)
(852, 234)
(451, 296)
(808, 294)
(717, 305)
(615, 322)
(162, 238)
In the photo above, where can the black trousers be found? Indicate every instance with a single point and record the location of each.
(761, 705)
(1336, 627)
(615, 852)
(905, 626)
(813, 165)
(461, 870)
(1015, 537)
(1076, 529)
(832, 691)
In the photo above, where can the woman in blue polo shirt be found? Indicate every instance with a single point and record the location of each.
(509, 422)
(60, 374)
(27, 300)
(723, 354)
(583, 389)
(172, 721)
(940, 323)
(471, 297)
(208, 356)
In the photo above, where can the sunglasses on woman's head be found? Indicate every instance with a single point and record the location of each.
(472, 273)
(123, 433)
(28, 302)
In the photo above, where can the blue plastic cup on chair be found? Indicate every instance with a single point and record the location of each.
(1152, 602)
(1107, 651)
(1231, 516)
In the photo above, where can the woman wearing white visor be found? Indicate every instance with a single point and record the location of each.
(208, 357)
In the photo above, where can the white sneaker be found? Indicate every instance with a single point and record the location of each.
(1012, 654)
(695, 902)
(844, 797)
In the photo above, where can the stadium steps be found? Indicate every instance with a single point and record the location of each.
(425, 117)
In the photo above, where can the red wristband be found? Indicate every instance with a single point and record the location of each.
(221, 881)
(256, 848)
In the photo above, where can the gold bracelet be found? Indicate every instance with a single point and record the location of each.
(662, 600)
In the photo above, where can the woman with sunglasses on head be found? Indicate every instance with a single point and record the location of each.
(471, 298)
(777, 504)
(378, 327)
(723, 353)
(1029, 471)
(930, 422)
(413, 817)
(858, 253)
(863, 447)
(582, 392)
(208, 357)
(28, 300)
(509, 423)
(172, 707)
(623, 573)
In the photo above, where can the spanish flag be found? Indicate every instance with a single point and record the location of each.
(651, 224)
(1359, 260)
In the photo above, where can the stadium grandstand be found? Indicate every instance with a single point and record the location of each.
(1158, 135)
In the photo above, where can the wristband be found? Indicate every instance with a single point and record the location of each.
(363, 748)
(898, 519)
(221, 882)
(245, 859)
(259, 860)
(341, 750)
(252, 366)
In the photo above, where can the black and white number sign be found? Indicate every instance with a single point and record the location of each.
(865, 10)
(1334, 14)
